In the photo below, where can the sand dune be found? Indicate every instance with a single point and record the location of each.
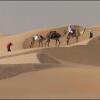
(55, 72)
(72, 82)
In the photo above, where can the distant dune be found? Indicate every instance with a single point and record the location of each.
(3, 34)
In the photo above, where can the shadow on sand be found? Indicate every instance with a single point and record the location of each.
(11, 70)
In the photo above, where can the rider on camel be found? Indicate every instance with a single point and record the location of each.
(71, 28)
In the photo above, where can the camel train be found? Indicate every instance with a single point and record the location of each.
(71, 31)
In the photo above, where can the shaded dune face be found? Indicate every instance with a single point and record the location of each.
(45, 58)
(11, 70)
(88, 54)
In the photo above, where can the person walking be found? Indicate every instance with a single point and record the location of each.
(9, 46)
(91, 35)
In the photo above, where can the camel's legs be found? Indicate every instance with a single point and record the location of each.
(41, 43)
(67, 41)
(59, 42)
(32, 43)
(47, 42)
(68, 38)
(76, 38)
(56, 42)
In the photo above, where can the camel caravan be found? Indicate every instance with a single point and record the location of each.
(71, 32)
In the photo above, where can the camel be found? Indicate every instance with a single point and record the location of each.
(53, 35)
(39, 38)
(76, 33)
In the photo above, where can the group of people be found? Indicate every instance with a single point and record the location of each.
(72, 29)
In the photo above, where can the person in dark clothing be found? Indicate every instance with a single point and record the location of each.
(9, 47)
(91, 35)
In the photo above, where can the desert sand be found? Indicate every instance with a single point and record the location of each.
(69, 71)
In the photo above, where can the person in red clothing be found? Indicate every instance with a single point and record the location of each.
(9, 47)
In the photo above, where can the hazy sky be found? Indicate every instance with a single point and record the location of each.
(22, 16)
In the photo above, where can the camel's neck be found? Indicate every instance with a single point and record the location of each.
(84, 30)
(65, 33)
